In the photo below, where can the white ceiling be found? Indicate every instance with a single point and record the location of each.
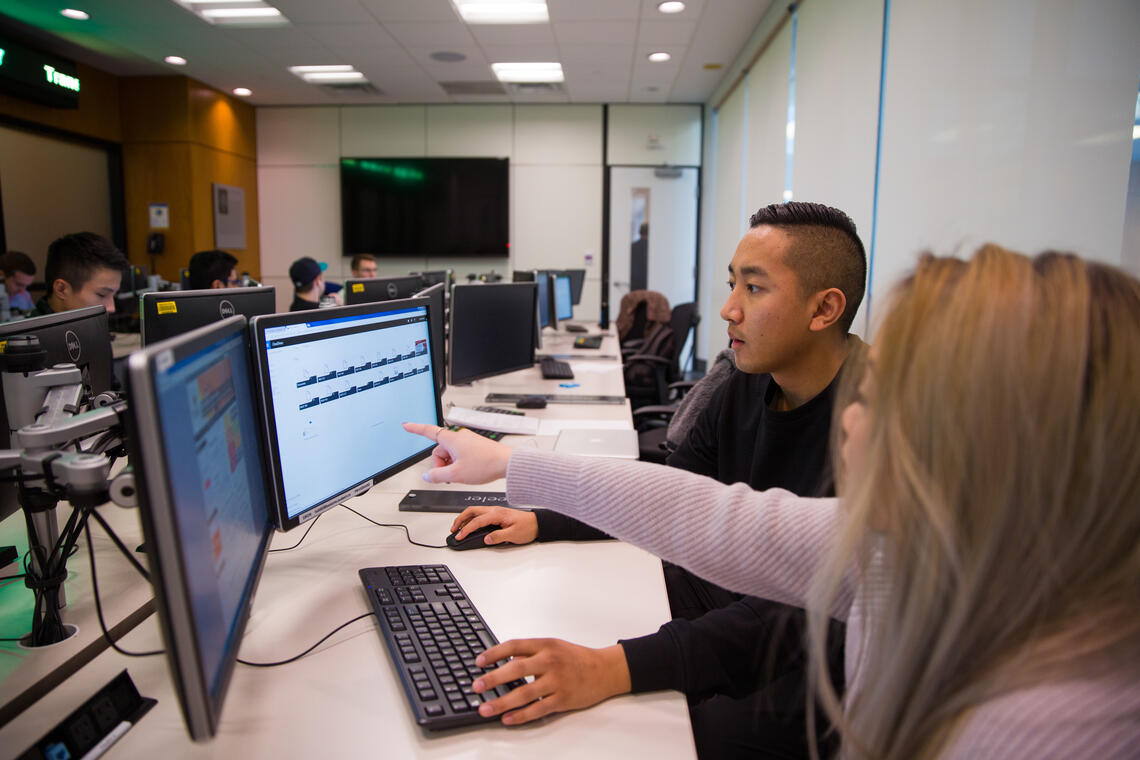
(602, 45)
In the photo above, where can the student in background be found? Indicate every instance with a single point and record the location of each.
(82, 269)
(308, 283)
(983, 550)
(18, 271)
(213, 269)
(795, 283)
(363, 266)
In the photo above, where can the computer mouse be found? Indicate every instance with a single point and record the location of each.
(474, 540)
(531, 402)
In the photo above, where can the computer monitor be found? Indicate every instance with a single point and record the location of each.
(563, 301)
(577, 281)
(545, 313)
(437, 310)
(370, 290)
(492, 329)
(437, 276)
(164, 315)
(523, 275)
(81, 337)
(335, 384)
(204, 504)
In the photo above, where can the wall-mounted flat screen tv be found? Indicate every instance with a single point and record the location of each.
(424, 206)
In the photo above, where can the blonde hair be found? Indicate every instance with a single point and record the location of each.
(999, 502)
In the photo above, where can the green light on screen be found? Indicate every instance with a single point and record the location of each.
(405, 173)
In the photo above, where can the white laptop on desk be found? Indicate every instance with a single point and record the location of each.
(620, 444)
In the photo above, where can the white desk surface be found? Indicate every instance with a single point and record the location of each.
(346, 695)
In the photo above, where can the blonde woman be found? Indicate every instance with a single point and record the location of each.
(986, 549)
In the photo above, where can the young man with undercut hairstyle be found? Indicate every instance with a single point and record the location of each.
(213, 270)
(82, 269)
(795, 283)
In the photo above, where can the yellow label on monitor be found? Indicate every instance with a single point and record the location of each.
(358, 287)
(167, 307)
(3, 346)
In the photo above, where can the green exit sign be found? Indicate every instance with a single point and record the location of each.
(34, 75)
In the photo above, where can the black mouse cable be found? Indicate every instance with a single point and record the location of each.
(395, 525)
(302, 538)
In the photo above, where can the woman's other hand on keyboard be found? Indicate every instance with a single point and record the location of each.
(516, 526)
(566, 677)
(462, 456)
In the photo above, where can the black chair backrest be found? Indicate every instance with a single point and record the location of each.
(637, 330)
(683, 320)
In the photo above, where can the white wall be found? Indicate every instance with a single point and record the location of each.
(1004, 120)
(556, 182)
(648, 135)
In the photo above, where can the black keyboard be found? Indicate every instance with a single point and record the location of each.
(575, 328)
(553, 369)
(433, 633)
(494, 435)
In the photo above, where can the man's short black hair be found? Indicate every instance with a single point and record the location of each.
(17, 261)
(825, 250)
(74, 258)
(207, 266)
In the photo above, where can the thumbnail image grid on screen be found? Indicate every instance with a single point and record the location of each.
(338, 389)
(492, 329)
(205, 508)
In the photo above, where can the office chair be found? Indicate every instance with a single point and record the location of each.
(650, 365)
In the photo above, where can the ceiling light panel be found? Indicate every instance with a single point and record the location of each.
(235, 12)
(502, 11)
(528, 72)
(328, 74)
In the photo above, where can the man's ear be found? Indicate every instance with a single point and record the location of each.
(829, 307)
(61, 288)
(217, 285)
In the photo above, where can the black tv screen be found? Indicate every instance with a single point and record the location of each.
(424, 206)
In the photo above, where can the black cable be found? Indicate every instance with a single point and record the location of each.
(302, 538)
(314, 646)
(13, 577)
(99, 607)
(122, 548)
(395, 525)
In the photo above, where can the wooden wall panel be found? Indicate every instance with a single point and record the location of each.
(159, 173)
(208, 166)
(219, 121)
(156, 109)
(97, 116)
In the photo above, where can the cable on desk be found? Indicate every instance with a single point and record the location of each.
(13, 577)
(314, 646)
(302, 538)
(122, 548)
(99, 606)
(395, 525)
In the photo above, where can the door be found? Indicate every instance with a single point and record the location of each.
(664, 202)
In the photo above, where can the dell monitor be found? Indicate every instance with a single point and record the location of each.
(335, 386)
(492, 329)
(437, 309)
(370, 290)
(563, 301)
(164, 315)
(204, 504)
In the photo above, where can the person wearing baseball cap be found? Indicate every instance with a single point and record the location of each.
(308, 283)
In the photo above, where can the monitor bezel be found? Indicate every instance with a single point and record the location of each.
(451, 331)
(161, 531)
(437, 330)
(414, 283)
(147, 303)
(258, 326)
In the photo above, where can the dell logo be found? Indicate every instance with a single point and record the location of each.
(74, 349)
(226, 309)
(392, 290)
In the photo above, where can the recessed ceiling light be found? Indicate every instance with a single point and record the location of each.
(502, 11)
(298, 70)
(671, 6)
(244, 92)
(528, 72)
(226, 13)
(175, 60)
(659, 57)
(75, 14)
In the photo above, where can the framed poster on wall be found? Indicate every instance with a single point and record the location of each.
(229, 217)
